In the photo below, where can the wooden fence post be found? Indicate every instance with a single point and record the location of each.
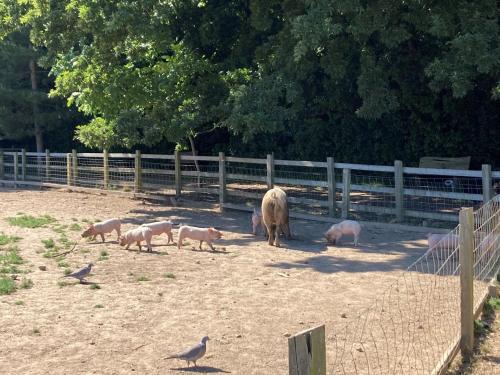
(138, 172)
(2, 166)
(330, 172)
(178, 174)
(466, 260)
(47, 165)
(346, 192)
(16, 168)
(399, 190)
(68, 169)
(23, 164)
(307, 352)
(487, 183)
(222, 180)
(74, 158)
(105, 168)
(270, 171)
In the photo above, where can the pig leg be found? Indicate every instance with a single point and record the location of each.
(139, 244)
(200, 245)
(270, 231)
(118, 233)
(277, 235)
(148, 243)
(179, 241)
(93, 237)
(287, 231)
(102, 236)
(210, 244)
(126, 247)
(356, 237)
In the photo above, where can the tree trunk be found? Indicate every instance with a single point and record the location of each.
(193, 150)
(34, 90)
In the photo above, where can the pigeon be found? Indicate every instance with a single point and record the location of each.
(192, 354)
(80, 274)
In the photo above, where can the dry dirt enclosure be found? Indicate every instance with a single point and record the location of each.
(247, 299)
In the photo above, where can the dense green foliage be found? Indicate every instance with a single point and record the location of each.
(365, 81)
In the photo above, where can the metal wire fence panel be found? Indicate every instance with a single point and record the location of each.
(200, 179)
(89, 172)
(158, 174)
(414, 327)
(373, 192)
(441, 194)
(57, 170)
(121, 173)
(245, 183)
(9, 165)
(306, 187)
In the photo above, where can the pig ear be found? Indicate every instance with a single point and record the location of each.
(211, 229)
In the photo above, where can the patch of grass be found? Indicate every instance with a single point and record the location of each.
(95, 286)
(67, 271)
(479, 327)
(26, 283)
(494, 303)
(74, 219)
(142, 278)
(28, 221)
(84, 251)
(86, 221)
(65, 241)
(104, 253)
(75, 227)
(11, 257)
(99, 306)
(62, 284)
(10, 269)
(62, 263)
(19, 303)
(49, 244)
(7, 285)
(169, 275)
(36, 331)
(6, 239)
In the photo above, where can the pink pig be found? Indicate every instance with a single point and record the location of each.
(336, 231)
(162, 227)
(137, 235)
(103, 227)
(199, 234)
(448, 241)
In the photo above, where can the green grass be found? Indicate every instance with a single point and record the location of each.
(10, 269)
(99, 306)
(142, 278)
(104, 255)
(62, 264)
(494, 303)
(7, 285)
(49, 244)
(6, 239)
(11, 257)
(67, 271)
(169, 275)
(95, 286)
(26, 283)
(19, 303)
(28, 221)
(62, 284)
(75, 227)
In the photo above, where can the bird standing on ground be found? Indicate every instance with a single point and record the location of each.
(80, 274)
(192, 354)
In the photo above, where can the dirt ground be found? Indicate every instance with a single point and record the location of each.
(247, 299)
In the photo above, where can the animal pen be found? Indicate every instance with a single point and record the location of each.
(416, 326)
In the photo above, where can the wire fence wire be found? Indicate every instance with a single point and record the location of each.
(414, 326)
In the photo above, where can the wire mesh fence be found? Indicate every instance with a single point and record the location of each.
(414, 327)
(317, 189)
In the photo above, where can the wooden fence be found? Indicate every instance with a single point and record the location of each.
(316, 190)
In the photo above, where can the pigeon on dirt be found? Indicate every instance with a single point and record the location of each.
(80, 274)
(192, 354)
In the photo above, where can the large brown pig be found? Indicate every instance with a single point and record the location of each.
(275, 215)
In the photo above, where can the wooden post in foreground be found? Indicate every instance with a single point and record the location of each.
(105, 168)
(23, 164)
(222, 180)
(16, 168)
(346, 192)
(487, 183)
(68, 169)
(47, 165)
(178, 174)
(2, 166)
(138, 172)
(270, 171)
(330, 172)
(466, 259)
(399, 190)
(74, 158)
(307, 352)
